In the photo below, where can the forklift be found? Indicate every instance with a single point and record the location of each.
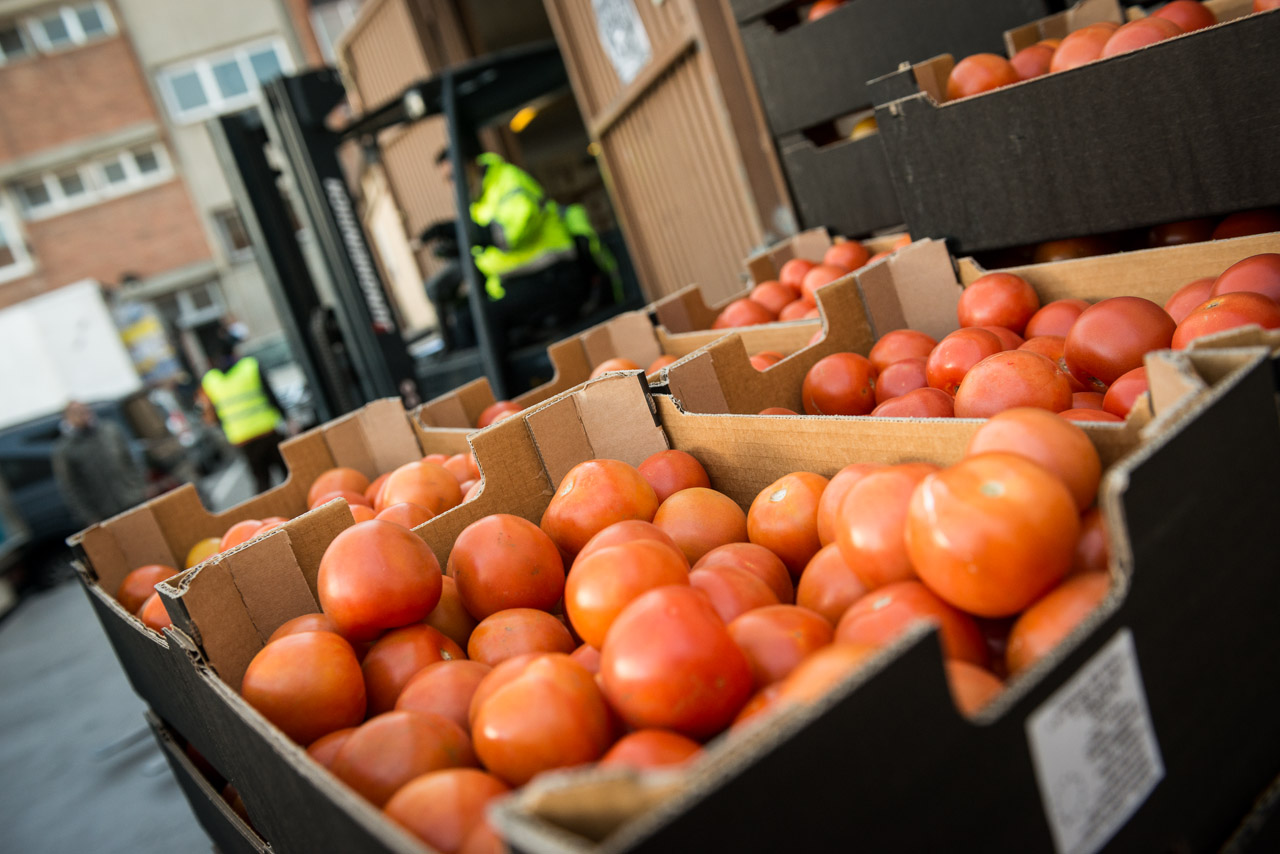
(343, 331)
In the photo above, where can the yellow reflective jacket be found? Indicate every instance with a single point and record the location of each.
(238, 398)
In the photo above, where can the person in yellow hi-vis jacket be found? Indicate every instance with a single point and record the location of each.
(241, 400)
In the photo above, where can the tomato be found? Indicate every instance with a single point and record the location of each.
(1257, 273)
(829, 585)
(817, 278)
(1082, 46)
(444, 808)
(651, 748)
(516, 631)
(1044, 625)
(956, 354)
(449, 617)
(483, 839)
(592, 496)
(239, 533)
(822, 8)
(921, 403)
(271, 523)
(307, 684)
(1089, 414)
(839, 384)
(325, 748)
(884, 614)
(495, 412)
(700, 519)
(376, 576)
(1244, 223)
(777, 410)
(153, 615)
(202, 551)
(1051, 346)
(774, 296)
(611, 365)
(821, 672)
(305, 623)
(374, 493)
(837, 489)
(340, 479)
(669, 662)
(776, 638)
(1187, 297)
(628, 531)
(1009, 339)
(760, 704)
(1180, 232)
(659, 363)
(1055, 318)
(849, 254)
(405, 515)
(732, 591)
(503, 561)
(1042, 437)
(551, 715)
(140, 584)
(757, 560)
(1111, 337)
(795, 310)
(444, 688)
(742, 312)
(992, 533)
(1032, 61)
(670, 471)
(397, 657)
(426, 484)
(784, 518)
(588, 657)
(1086, 400)
(903, 376)
(1125, 391)
(391, 749)
(462, 467)
(1011, 379)
(870, 524)
(972, 687)
(361, 513)
(898, 345)
(1227, 311)
(472, 490)
(1093, 551)
(765, 359)
(793, 272)
(496, 678)
(998, 299)
(1189, 15)
(604, 582)
(1139, 34)
(980, 73)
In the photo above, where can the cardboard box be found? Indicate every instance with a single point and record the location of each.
(818, 70)
(844, 185)
(1017, 166)
(228, 831)
(888, 762)
(376, 438)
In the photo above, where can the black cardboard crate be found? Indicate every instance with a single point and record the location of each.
(749, 10)
(844, 185)
(817, 71)
(1181, 129)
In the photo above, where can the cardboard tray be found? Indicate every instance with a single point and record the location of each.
(844, 185)
(1180, 129)
(918, 288)
(228, 831)
(887, 760)
(818, 71)
(373, 439)
(225, 609)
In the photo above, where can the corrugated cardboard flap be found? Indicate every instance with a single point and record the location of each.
(810, 245)
(459, 409)
(628, 336)
(686, 310)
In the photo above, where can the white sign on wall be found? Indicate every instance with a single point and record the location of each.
(622, 36)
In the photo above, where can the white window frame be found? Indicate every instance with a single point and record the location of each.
(97, 189)
(224, 235)
(27, 42)
(71, 20)
(217, 104)
(23, 264)
(348, 11)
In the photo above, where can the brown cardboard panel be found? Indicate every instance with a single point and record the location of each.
(619, 422)
(809, 244)
(685, 310)
(134, 539)
(392, 441)
(458, 410)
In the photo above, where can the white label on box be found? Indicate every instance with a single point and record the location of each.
(1094, 749)
(622, 36)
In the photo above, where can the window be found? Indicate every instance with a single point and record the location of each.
(223, 82)
(69, 26)
(93, 181)
(13, 44)
(14, 260)
(330, 19)
(235, 237)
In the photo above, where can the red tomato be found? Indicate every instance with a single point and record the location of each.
(153, 615)
(391, 749)
(956, 354)
(1009, 339)
(776, 638)
(757, 560)
(140, 584)
(340, 479)
(495, 412)
(1051, 347)
(1046, 623)
(898, 345)
(588, 657)
(1187, 297)
(1055, 318)
(1257, 273)
(881, 617)
(445, 808)
(449, 616)
(1139, 34)
(972, 687)
(795, 311)
(849, 254)
(992, 533)
(444, 688)
(375, 576)
(1042, 437)
(611, 365)
(1180, 232)
(670, 471)
(1244, 223)
(784, 518)
(731, 591)
(821, 672)
(592, 496)
(1111, 337)
(1011, 379)
(701, 519)
(901, 377)
(626, 531)
(998, 299)
(1087, 415)
(839, 384)
(604, 582)
(1082, 46)
(1189, 15)
(1071, 248)
(504, 561)
(651, 748)
(517, 631)
(1124, 392)
(921, 403)
(819, 277)
(1087, 400)
(1032, 61)
(828, 585)
(669, 662)
(870, 525)
(397, 657)
(239, 533)
(777, 410)
(659, 363)
(822, 8)
(1093, 551)
(837, 489)
(774, 296)
(325, 748)
(793, 272)
(742, 312)
(426, 484)
(1228, 311)
(980, 73)
(307, 684)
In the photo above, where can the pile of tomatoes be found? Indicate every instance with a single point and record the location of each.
(1082, 361)
(649, 613)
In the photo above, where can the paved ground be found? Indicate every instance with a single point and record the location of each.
(79, 769)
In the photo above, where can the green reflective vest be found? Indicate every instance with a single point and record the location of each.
(241, 404)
